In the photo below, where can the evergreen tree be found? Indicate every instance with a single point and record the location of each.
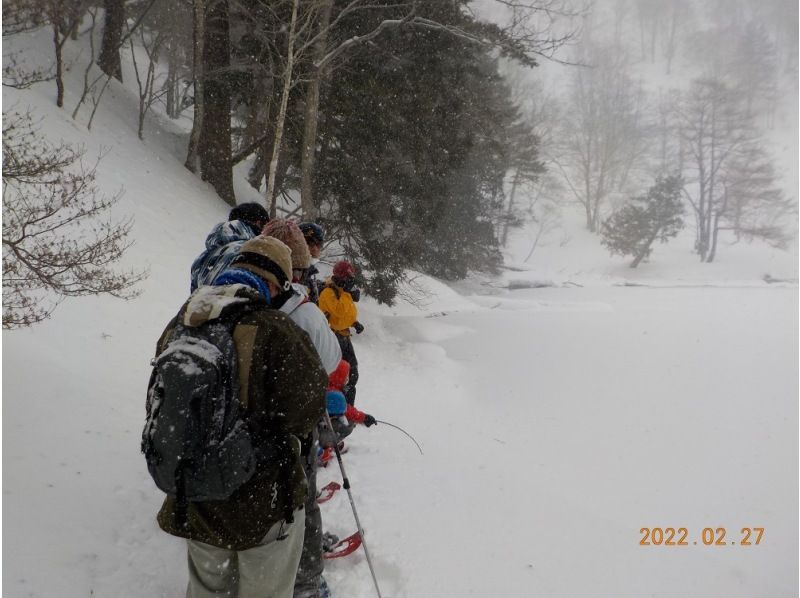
(633, 229)
(415, 146)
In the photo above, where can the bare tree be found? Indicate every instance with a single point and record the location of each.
(57, 241)
(756, 207)
(678, 16)
(294, 32)
(306, 43)
(712, 130)
(650, 14)
(730, 181)
(21, 16)
(146, 81)
(755, 68)
(88, 86)
(530, 140)
(311, 123)
(94, 89)
(177, 20)
(63, 17)
(544, 215)
(601, 139)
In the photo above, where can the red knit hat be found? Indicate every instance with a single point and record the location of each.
(343, 269)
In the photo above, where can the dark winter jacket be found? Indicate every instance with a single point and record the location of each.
(311, 283)
(282, 386)
(222, 246)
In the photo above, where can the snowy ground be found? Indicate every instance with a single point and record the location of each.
(556, 423)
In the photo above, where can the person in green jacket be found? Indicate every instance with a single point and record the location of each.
(249, 544)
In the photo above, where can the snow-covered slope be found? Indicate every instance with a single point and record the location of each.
(555, 423)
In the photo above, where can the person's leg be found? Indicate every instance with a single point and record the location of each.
(311, 566)
(349, 355)
(212, 571)
(350, 389)
(269, 570)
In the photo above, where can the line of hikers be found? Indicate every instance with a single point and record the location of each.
(236, 402)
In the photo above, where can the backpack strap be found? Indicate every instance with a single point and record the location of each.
(275, 445)
(181, 504)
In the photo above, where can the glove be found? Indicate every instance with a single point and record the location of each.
(359, 327)
(355, 294)
(369, 420)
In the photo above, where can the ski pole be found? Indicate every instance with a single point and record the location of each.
(346, 485)
(380, 421)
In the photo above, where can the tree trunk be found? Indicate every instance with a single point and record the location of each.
(587, 187)
(714, 236)
(644, 251)
(172, 80)
(307, 203)
(713, 166)
(702, 241)
(509, 211)
(199, 80)
(215, 138)
(59, 67)
(258, 170)
(641, 34)
(653, 35)
(109, 60)
(717, 218)
(279, 124)
(281, 173)
(671, 41)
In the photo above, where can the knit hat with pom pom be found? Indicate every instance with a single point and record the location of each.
(289, 233)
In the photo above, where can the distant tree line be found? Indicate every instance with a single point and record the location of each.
(614, 137)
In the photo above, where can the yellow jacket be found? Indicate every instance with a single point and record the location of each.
(339, 308)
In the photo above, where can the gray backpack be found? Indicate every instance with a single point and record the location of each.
(195, 440)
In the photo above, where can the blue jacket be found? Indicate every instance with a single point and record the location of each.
(222, 246)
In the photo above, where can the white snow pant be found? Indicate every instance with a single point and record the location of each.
(266, 571)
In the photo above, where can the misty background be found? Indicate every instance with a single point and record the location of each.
(700, 89)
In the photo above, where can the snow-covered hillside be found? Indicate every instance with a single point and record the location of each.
(555, 423)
